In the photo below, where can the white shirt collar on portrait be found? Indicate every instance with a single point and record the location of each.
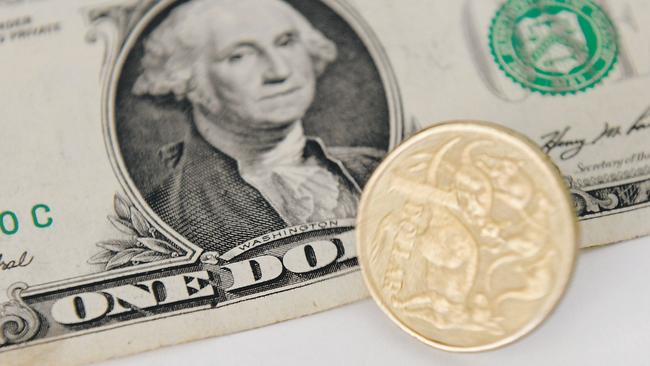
(300, 189)
(251, 151)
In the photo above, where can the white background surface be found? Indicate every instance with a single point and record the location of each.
(603, 320)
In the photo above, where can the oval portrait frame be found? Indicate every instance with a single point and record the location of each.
(341, 8)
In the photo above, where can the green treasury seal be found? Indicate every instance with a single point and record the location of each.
(554, 46)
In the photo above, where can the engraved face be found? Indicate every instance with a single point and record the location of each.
(259, 65)
(206, 82)
(459, 244)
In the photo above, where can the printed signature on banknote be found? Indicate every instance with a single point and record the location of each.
(7, 264)
(569, 147)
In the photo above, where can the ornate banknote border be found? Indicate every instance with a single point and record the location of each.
(180, 278)
(18, 322)
(611, 199)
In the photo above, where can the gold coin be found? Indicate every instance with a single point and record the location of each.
(467, 236)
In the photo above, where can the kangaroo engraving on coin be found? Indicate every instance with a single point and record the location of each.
(467, 236)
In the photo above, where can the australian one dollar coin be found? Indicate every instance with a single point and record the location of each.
(467, 237)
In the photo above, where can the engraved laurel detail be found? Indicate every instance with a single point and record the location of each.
(141, 243)
(478, 213)
(18, 322)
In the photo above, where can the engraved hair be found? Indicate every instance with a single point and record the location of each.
(172, 53)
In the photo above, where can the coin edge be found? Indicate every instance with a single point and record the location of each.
(553, 170)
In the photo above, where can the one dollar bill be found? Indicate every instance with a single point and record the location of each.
(181, 169)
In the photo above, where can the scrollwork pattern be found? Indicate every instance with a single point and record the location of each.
(586, 203)
(18, 322)
(600, 201)
(111, 25)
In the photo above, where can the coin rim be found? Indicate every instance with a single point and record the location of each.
(458, 126)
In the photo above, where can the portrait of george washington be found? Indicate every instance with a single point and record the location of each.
(248, 73)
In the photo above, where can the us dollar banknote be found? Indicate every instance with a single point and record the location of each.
(175, 170)
(571, 75)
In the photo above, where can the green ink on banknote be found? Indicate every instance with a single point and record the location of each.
(39, 218)
(40, 215)
(9, 223)
(554, 47)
